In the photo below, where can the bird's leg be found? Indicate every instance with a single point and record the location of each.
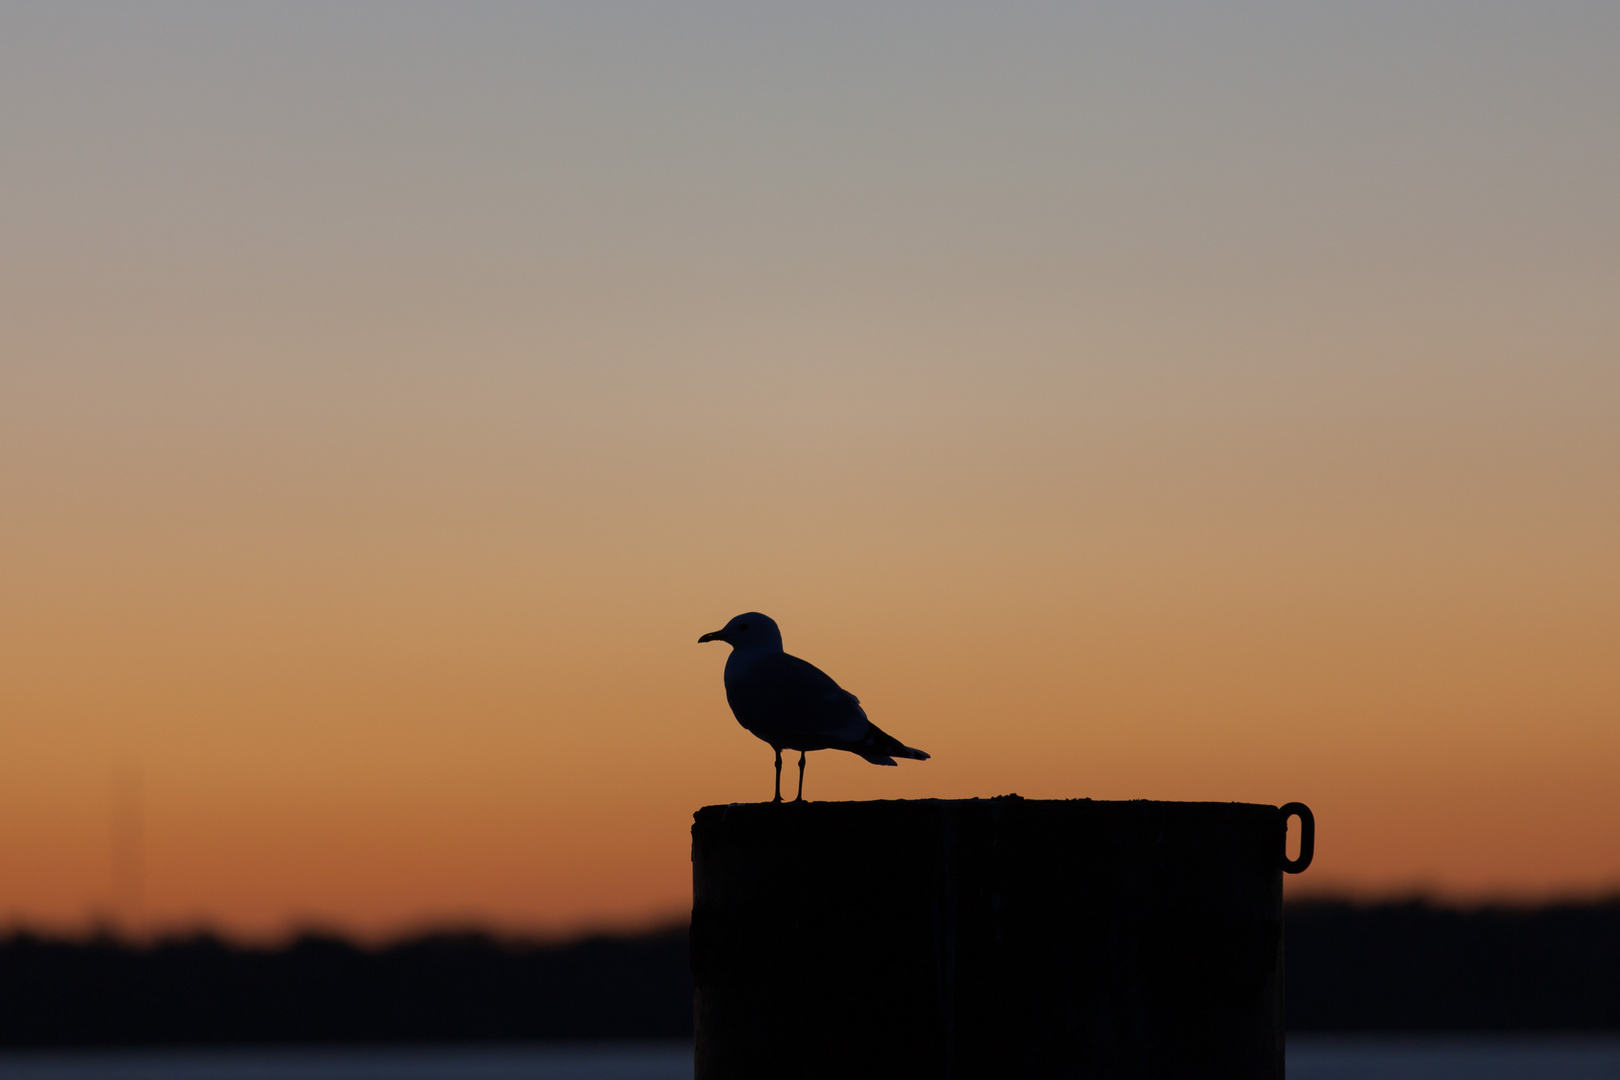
(801, 777)
(778, 777)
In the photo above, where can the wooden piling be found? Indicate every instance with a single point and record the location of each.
(989, 938)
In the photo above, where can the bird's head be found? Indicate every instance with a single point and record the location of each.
(750, 630)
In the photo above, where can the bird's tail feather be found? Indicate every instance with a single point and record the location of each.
(881, 748)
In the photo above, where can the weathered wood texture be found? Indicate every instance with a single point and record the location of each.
(988, 938)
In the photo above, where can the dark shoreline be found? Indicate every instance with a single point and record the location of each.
(1391, 967)
(1416, 966)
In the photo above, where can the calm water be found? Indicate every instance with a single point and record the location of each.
(1308, 1059)
(1463, 1058)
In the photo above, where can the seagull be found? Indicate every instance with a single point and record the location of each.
(793, 704)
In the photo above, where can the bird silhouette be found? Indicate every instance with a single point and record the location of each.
(794, 705)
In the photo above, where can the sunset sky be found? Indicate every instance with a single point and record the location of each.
(1129, 400)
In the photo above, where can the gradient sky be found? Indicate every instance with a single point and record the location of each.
(1179, 401)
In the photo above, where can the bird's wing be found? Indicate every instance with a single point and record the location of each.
(784, 694)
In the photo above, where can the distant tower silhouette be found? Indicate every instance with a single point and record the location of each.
(128, 843)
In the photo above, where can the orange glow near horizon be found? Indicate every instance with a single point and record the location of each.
(1121, 408)
(342, 750)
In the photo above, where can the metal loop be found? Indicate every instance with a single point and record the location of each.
(1307, 836)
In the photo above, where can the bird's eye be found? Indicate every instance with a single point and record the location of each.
(744, 626)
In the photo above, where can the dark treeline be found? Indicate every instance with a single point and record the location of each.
(1418, 967)
(438, 988)
(1388, 967)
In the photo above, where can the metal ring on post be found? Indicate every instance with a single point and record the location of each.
(1307, 837)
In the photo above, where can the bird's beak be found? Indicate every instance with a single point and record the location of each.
(718, 635)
